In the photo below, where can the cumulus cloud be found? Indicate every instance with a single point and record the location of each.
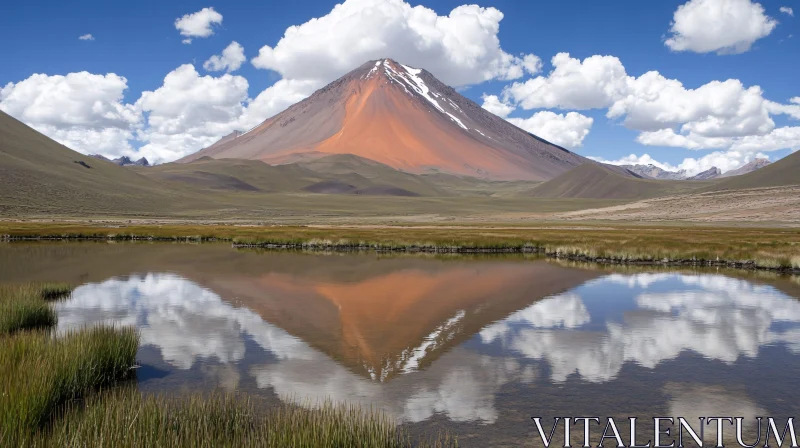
(460, 48)
(787, 10)
(566, 130)
(596, 82)
(717, 115)
(198, 24)
(230, 60)
(494, 105)
(83, 111)
(723, 26)
(86, 37)
(189, 112)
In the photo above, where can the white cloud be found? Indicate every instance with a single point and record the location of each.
(715, 109)
(189, 112)
(650, 102)
(461, 48)
(596, 82)
(716, 115)
(86, 37)
(780, 138)
(231, 59)
(724, 26)
(493, 104)
(668, 137)
(198, 24)
(83, 111)
(566, 130)
(787, 10)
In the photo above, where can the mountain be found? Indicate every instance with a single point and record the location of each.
(594, 181)
(653, 172)
(404, 118)
(782, 173)
(711, 173)
(748, 168)
(122, 161)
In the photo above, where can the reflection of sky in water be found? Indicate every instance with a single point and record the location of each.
(591, 331)
(717, 317)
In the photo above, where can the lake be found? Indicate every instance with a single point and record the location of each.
(474, 345)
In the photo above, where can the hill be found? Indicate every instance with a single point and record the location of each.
(401, 117)
(782, 173)
(594, 181)
(333, 174)
(39, 175)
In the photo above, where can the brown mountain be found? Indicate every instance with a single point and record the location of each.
(404, 118)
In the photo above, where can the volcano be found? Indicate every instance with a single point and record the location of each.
(402, 117)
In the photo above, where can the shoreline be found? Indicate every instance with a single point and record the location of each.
(411, 248)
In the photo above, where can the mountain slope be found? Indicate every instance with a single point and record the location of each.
(401, 117)
(782, 173)
(753, 165)
(39, 175)
(593, 181)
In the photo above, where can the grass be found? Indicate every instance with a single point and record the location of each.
(39, 373)
(749, 247)
(25, 307)
(128, 419)
(51, 395)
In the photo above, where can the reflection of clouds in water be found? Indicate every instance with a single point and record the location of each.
(460, 384)
(179, 317)
(718, 317)
(566, 310)
(692, 401)
(187, 322)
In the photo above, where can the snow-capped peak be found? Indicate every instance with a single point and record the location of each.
(409, 77)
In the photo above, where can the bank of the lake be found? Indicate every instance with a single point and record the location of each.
(774, 249)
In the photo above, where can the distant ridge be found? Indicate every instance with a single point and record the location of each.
(594, 181)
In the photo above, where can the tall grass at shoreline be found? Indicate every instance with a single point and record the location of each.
(40, 372)
(25, 307)
(128, 419)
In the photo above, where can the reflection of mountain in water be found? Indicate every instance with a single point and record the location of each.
(189, 324)
(380, 326)
(715, 316)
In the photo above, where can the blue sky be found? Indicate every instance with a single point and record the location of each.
(140, 42)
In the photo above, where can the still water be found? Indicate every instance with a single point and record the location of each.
(475, 346)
